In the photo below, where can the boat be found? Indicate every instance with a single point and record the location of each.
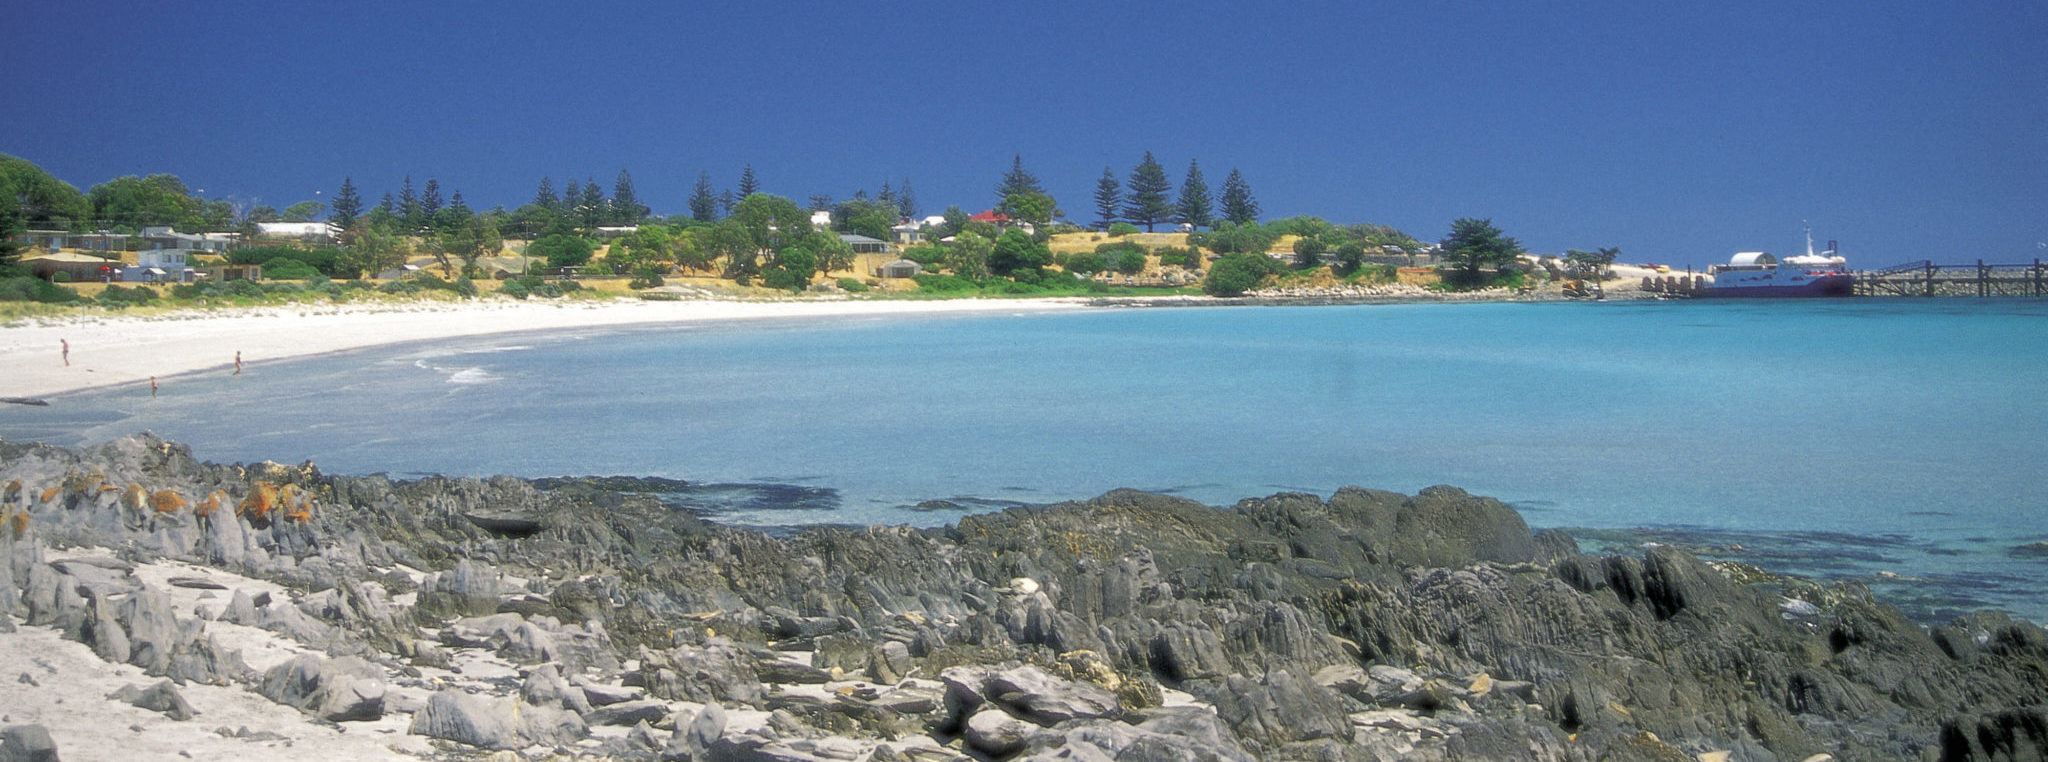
(1753, 274)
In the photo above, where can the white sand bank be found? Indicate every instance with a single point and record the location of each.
(112, 350)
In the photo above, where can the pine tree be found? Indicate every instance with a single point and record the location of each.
(748, 185)
(430, 201)
(388, 206)
(1238, 205)
(887, 196)
(1109, 198)
(1148, 203)
(1018, 181)
(545, 197)
(703, 202)
(408, 206)
(571, 196)
(626, 208)
(593, 207)
(347, 206)
(1195, 207)
(906, 200)
(726, 201)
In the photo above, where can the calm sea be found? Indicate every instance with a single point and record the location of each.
(1895, 442)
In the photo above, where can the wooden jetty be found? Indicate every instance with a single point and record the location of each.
(1925, 278)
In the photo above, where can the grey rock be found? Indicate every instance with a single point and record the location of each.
(1280, 708)
(628, 712)
(337, 690)
(161, 697)
(890, 662)
(789, 672)
(600, 695)
(544, 686)
(1033, 695)
(154, 636)
(40, 595)
(453, 715)
(241, 609)
(693, 738)
(27, 743)
(994, 732)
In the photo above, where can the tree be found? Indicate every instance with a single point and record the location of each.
(303, 211)
(626, 208)
(261, 214)
(955, 221)
(748, 185)
(1148, 203)
(1308, 251)
(562, 250)
(1032, 207)
(1238, 205)
(906, 201)
(1109, 199)
(772, 222)
(409, 207)
(347, 205)
(869, 218)
(544, 196)
(1592, 263)
(1235, 274)
(1474, 246)
(368, 251)
(968, 256)
(430, 202)
(592, 209)
(1017, 181)
(703, 202)
(1014, 251)
(33, 198)
(1194, 207)
(729, 240)
(131, 202)
(572, 195)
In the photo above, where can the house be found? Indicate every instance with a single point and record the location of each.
(901, 268)
(223, 273)
(991, 217)
(58, 240)
(76, 267)
(159, 266)
(401, 272)
(614, 231)
(310, 232)
(162, 237)
(821, 220)
(864, 245)
(907, 233)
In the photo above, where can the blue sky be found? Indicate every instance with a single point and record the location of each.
(1680, 132)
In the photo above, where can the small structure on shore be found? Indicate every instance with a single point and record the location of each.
(901, 268)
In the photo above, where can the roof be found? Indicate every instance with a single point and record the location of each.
(296, 228)
(988, 216)
(858, 238)
(67, 257)
(1753, 258)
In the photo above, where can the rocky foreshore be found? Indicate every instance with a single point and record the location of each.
(456, 618)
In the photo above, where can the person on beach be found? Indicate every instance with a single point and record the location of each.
(67, 351)
(152, 387)
(238, 362)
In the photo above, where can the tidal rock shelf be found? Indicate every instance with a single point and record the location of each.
(449, 618)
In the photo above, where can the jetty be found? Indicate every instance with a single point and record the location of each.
(1925, 278)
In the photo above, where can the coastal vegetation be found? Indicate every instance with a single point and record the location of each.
(741, 240)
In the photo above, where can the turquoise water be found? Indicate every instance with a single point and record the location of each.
(1841, 438)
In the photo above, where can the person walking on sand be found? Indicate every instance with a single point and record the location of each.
(67, 351)
(152, 387)
(238, 362)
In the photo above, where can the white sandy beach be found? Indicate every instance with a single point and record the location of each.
(108, 350)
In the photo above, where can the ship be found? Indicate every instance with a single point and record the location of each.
(1753, 274)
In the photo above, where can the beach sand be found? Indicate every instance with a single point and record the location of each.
(112, 349)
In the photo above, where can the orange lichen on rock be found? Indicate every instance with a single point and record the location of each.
(19, 522)
(261, 501)
(13, 490)
(50, 494)
(134, 498)
(209, 505)
(298, 507)
(166, 501)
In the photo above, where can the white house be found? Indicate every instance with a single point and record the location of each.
(821, 220)
(310, 231)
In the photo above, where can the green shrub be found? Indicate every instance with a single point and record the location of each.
(1130, 263)
(118, 297)
(60, 276)
(1084, 263)
(1122, 229)
(929, 256)
(944, 283)
(287, 268)
(852, 286)
(27, 289)
(531, 285)
(324, 259)
(1235, 274)
(562, 250)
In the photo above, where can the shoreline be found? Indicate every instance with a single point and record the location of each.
(112, 350)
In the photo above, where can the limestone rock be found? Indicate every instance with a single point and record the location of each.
(27, 743)
(337, 690)
(161, 697)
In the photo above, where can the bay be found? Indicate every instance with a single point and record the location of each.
(1896, 443)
